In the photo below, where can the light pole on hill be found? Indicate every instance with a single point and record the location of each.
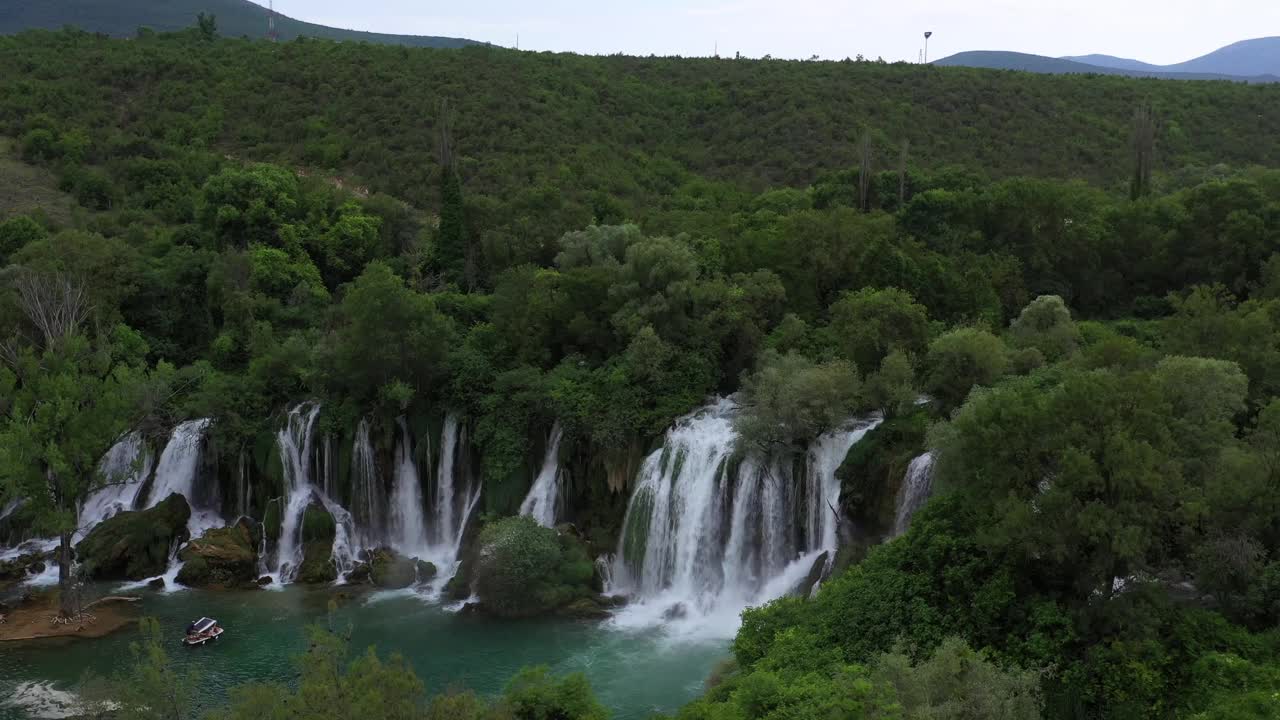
(927, 35)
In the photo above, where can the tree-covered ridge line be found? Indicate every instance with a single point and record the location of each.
(564, 128)
(235, 18)
(1103, 360)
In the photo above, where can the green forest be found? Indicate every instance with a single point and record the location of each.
(1079, 275)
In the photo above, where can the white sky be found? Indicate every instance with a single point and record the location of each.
(1157, 31)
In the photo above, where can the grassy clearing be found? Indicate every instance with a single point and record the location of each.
(24, 188)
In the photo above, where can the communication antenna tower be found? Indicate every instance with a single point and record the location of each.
(272, 35)
(927, 35)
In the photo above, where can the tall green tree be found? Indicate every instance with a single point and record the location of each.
(70, 399)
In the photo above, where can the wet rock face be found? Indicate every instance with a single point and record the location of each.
(223, 556)
(135, 545)
(20, 567)
(391, 570)
(817, 573)
(318, 531)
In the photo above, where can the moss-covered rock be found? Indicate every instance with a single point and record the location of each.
(318, 530)
(135, 545)
(317, 524)
(524, 569)
(873, 470)
(21, 566)
(317, 564)
(586, 608)
(388, 569)
(222, 556)
(391, 570)
(271, 521)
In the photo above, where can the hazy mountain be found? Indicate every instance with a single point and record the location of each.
(1025, 62)
(1248, 58)
(1109, 61)
(122, 18)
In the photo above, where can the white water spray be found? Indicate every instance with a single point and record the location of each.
(543, 502)
(408, 526)
(295, 442)
(708, 533)
(124, 470)
(368, 498)
(916, 488)
(178, 471)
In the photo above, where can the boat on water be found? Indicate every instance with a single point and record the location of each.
(202, 631)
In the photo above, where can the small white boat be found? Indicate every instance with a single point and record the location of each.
(202, 631)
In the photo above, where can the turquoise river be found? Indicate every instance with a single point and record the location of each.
(265, 630)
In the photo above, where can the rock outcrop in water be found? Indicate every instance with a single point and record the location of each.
(390, 570)
(222, 556)
(22, 566)
(318, 532)
(524, 569)
(135, 545)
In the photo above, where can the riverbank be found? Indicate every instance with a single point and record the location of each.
(35, 619)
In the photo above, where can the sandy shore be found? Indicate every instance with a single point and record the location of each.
(33, 620)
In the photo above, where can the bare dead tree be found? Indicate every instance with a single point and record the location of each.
(1144, 150)
(902, 173)
(864, 172)
(56, 306)
(55, 303)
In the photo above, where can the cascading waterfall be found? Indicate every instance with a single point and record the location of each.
(124, 470)
(263, 548)
(452, 502)
(708, 533)
(368, 498)
(442, 530)
(408, 526)
(917, 485)
(178, 471)
(245, 501)
(295, 442)
(543, 502)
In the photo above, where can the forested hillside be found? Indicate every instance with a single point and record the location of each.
(235, 18)
(1065, 290)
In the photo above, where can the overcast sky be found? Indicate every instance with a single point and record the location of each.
(1158, 31)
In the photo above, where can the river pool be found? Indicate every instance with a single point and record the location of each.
(635, 671)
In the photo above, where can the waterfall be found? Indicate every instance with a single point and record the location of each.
(368, 499)
(543, 501)
(295, 442)
(917, 485)
(178, 472)
(408, 527)
(244, 492)
(124, 469)
(452, 501)
(326, 465)
(604, 568)
(708, 532)
(263, 548)
(444, 501)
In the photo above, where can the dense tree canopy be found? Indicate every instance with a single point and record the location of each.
(607, 243)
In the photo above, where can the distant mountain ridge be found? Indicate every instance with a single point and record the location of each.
(1255, 60)
(1247, 58)
(122, 18)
